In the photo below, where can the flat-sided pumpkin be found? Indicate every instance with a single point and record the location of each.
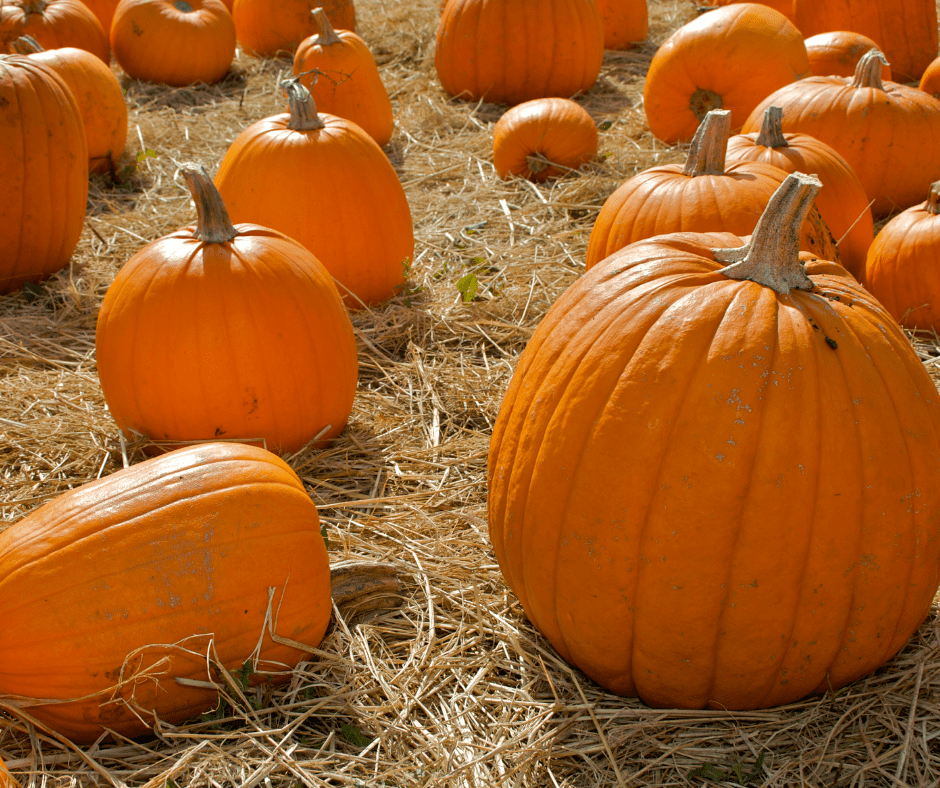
(226, 332)
(715, 485)
(53, 23)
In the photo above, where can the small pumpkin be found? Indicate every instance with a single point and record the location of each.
(173, 42)
(903, 266)
(626, 22)
(836, 53)
(543, 138)
(729, 58)
(99, 96)
(345, 79)
(930, 80)
(266, 27)
(226, 332)
(43, 172)
(510, 51)
(700, 481)
(53, 23)
(704, 195)
(326, 183)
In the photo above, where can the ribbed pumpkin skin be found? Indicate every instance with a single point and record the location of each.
(557, 129)
(245, 340)
(903, 267)
(161, 41)
(53, 23)
(785, 7)
(349, 84)
(331, 189)
(100, 99)
(43, 172)
(625, 22)
(185, 546)
(510, 51)
(698, 500)
(890, 137)
(842, 202)
(104, 11)
(836, 54)
(266, 27)
(729, 58)
(907, 32)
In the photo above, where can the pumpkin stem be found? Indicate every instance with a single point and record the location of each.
(709, 145)
(933, 201)
(365, 585)
(701, 102)
(212, 225)
(302, 108)
(34, 7)
(326, 35)
(868, 70)
(771, 130)
(26, 45)
(772, 256)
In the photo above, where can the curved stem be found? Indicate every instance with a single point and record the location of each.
(302, 108)
(933, 201)
(34, 7)
(326, 35)
(365, 585)
(771, 130)
(772, 257)
(868, 70)
(213, 225)
(709, 145)
(26, 45)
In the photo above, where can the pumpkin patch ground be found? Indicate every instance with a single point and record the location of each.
(453, 687)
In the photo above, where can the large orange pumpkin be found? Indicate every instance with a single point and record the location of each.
(510, 51)
(53, 23)
(226, 332)
(716, 486)
(626, 22)
(43, 172)
(842, 203)
(112, 591)
(888, 133)
(266, 27)
(729, 58)
(704, 195)
(836, 54)
(906, 31)
(326, 183)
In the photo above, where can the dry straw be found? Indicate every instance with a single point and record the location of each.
(453, 689)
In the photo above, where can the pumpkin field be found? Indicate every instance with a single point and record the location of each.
(438, 679)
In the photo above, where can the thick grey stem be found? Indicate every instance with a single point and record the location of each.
(771, 130)
(213, 225)
(868, 70)
(326, 35)
(933, 201)
(302, 108)
(709, 145)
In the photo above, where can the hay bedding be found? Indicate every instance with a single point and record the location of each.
(453, 688)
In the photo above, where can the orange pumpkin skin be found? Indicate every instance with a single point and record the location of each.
(349, 84)
(510, 51)
(6, 779)
(836, 54)
(907, 32)
(245, 339)
(173, 42)
(543, 138)
(784, 7)
(104, 11)
(625, 22)
(888, 133)
(930, 80)
(729, 58)
(903, 266)
(53, 23)
(701, 501)
(266, 27)
(167, 560)
(100, 99)
(842, 202)
(43, 172)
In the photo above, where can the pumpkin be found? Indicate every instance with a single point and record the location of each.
(907, 32)
(345, 79)
(43, 171)
(888, 133)
(266, 27)
(53, 23)
(6, 779)
(714, 485)
(842, 203)
(543, 138)
(784, 7)
(836, 54)
(226, 332)
(930, 80)
(729, 58)
(704, 195)
(103, 11)
(120, 587)
(326, 183)
(99, 95)
(625, 22)
(903, 266)
(510, 51)
(173, 42)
